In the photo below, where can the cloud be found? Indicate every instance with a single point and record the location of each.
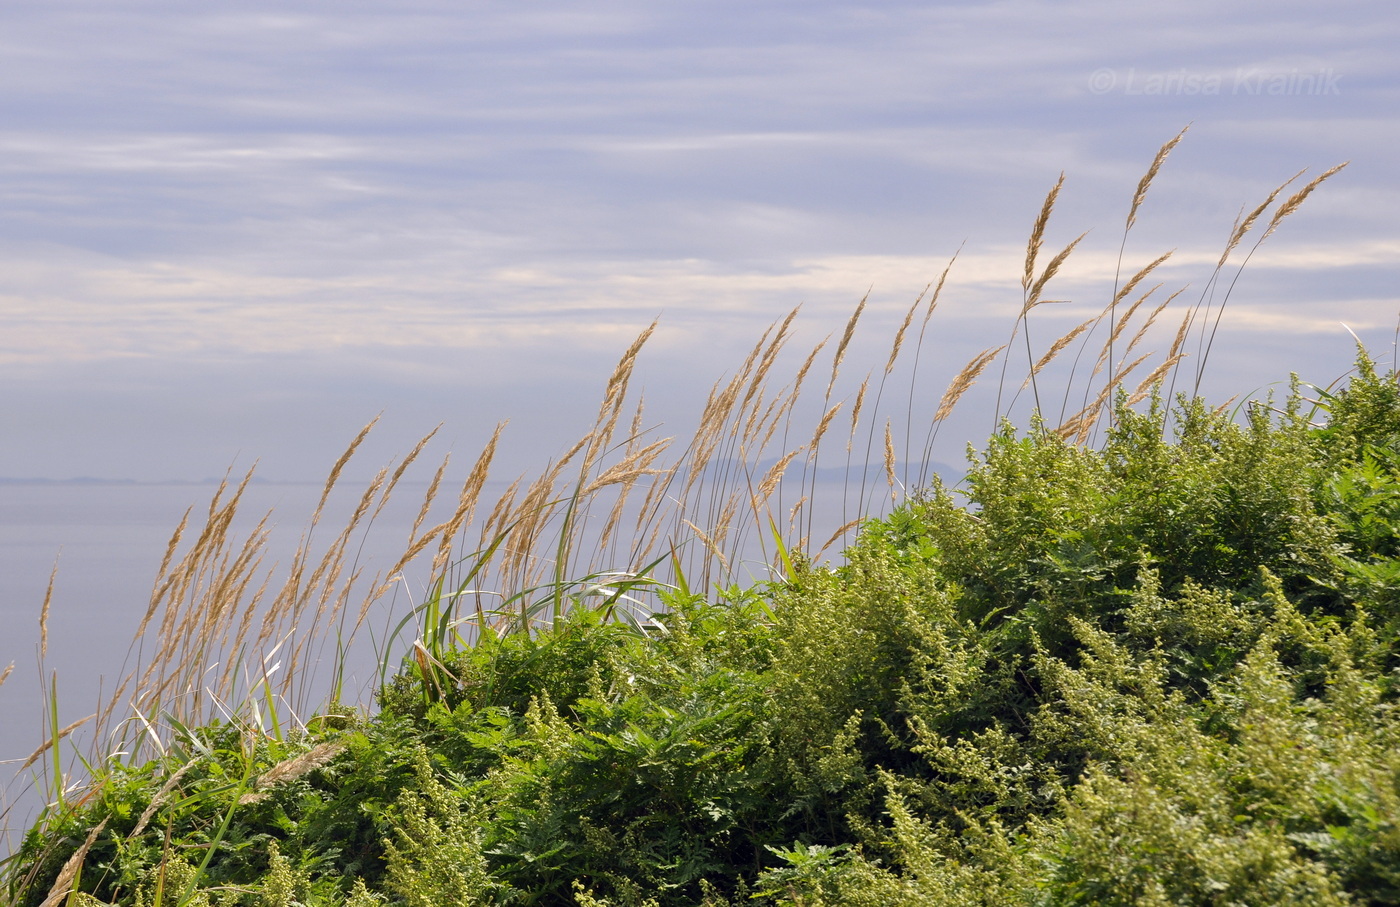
(90, 308)
(339, 193)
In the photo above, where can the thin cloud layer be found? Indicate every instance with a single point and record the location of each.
(393, 202)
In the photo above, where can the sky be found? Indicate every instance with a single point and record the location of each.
(237, 232)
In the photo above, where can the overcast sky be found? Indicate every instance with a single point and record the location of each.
(236, 231)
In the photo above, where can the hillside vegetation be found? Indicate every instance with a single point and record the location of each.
(1158, 672)
(1143, 653)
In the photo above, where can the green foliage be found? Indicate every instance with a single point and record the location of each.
(1162, 672)
(434, 848)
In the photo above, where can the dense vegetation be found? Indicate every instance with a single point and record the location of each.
(1159, 671)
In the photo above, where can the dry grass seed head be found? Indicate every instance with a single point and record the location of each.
(240, 636)
(226, 598)
(613, 397)
(497, 522)
(899, 334)
(1037, 237)
(1119, 326)
(58, 735)
(1242, 227)
(319, 756)
(1181, 333)
(1145, 387)
(536, 508)
(1151, 320)
(889, 455)
(615, 515)
(646, 542)
(772, 418)
(710, 545)
(845, 342)
(642, 462)
(1118, 378)
(184, 593)
(1150, 175)
(324, 577)
(842, 530)
(1295, 201)
(1138, 278)
(964, 380)
(774, 475)
(333, 595)
(770, 355)
(417, 543)
(1082, 423)
(746, 383)
(1053, 268)
(795, 511)
(649, 512)
(725, 524)
(159, 799)
(634, 466)
(1070, 427)
(1058, 347)
(822, 426)
(402, 468)
(63, 885)
(467, 499)
(164, 578)
(807, 365)
(937, 291)
(1128, 369)
(339, 465)
(855, 411)
(760, 412)
(634, 430)
(714, 421)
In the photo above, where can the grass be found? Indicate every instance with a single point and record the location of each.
(620, 524)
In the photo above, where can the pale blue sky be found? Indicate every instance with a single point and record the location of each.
(238, 231)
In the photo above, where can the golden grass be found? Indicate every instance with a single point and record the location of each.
(1037, 237)
(1244, 225)
(1058, 347)
(1209, 327)
(844, 343)
(291, 769)
(964, 380)
(161, 797)
(855, 411)
(1150, 175)
(63, 885)
(58, 735)
(1295, 201)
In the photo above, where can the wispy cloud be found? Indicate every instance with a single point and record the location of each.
(274, 185)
